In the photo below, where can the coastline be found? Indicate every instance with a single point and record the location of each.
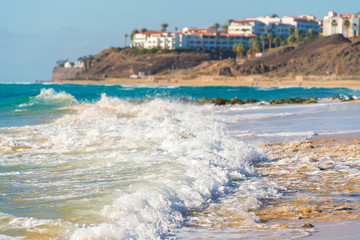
(254, 81)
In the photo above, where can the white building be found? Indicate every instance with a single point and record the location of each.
(157, 39)
(250, 26)
(304, 23)
(337, 24)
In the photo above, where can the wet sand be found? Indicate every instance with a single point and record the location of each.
(322, 186)
(255, 80)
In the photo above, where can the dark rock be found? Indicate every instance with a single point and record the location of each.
(225, 71)
(308, 225)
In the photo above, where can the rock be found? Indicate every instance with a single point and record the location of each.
(308, 225)
(206, 101)
(225, 71)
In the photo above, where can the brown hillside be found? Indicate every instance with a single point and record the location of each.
(122, 63)
(320, 56)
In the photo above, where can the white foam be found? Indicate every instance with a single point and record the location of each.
(146, 164)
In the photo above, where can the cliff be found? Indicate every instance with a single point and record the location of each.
(61, 73)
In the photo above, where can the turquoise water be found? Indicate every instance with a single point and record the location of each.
(23, 104)
(88, 162)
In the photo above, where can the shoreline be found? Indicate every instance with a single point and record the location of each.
(249, 81)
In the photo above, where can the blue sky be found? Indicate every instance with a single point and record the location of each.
(34, 34)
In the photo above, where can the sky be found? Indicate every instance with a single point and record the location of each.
(35, 34)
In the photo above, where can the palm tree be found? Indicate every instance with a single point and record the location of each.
(291, 30)
(202, 36)
(132, 34)
(125, 36)
(298, 35)
(239, 49)
(291, 39)
(164, 26)
(255, 44)
(347, 26)
(333, 26)
(176, 29)
(276, 41)
(270, 37)
(225, 27)
(263, 39)
(311, 34)
(217, 35)
(143, 30)
(216, 26)
(229, 21)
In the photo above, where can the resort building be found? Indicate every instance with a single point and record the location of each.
(304, 23)
(345, 24)
(157, 39)
(250, 26)
(241, 31)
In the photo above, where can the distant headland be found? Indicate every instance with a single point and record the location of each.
(266, 47)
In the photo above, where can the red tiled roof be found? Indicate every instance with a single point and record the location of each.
(333, 12)
(246, 21)
(346, 16)
(152, 32)
(302, 18)
(226, 34)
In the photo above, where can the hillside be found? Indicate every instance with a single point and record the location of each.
(117, 63)
(321, 56)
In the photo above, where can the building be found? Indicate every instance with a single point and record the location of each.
(304, 23)
(345, 24)
(157, 39)
(250, 26)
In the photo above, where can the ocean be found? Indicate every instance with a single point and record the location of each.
(137, 162)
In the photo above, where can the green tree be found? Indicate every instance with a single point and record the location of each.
(255, 45)
(225, 27)
(217, 36)
(202, 36)
(274, 15)
(250, 51)
(125, 37)
(61, 63)
(291, 30)
(311, 34)
(216, 26)
(239, 49)
(164, 26)
(347, 26)
(270, 37)
(263, 39)
(132, 34)
(291, 39)
(229, 21)
(276, 41)
(176, 29)
(298, 35)
(143, 30)
(333, 26)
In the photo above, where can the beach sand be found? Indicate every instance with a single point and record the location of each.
(255, 80)
(322, 188)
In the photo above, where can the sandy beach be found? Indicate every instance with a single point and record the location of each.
(314, 186)
(255, 80)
